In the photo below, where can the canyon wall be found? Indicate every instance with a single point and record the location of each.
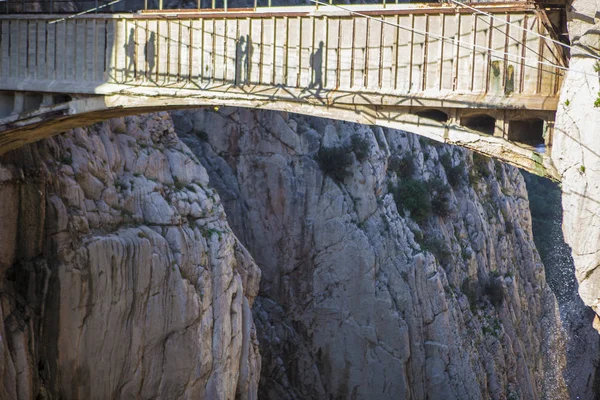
(120, 275)
(576, 149)
(392, 267)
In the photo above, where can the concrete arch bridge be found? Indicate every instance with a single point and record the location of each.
(488, 82)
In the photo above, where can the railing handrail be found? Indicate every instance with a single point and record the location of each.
(54, 6)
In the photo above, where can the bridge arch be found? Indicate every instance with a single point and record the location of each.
(481, 122)
(433, 114)
(18, 130)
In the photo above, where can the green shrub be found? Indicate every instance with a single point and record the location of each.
(480, 165)
(440, 196)
(494, 291)
(334, 161)
(412, 195)
(403, 167)
(439, 249)
(470, 289)
(361, 147)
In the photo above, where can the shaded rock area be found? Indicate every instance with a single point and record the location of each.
(120, 277)
(583, 343)
(392, 267)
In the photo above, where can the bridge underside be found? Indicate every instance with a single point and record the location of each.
(513, 136)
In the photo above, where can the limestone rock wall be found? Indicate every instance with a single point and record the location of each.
(576, 149)
(120, 277)
(362, 298)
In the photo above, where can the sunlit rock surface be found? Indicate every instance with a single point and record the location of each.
(576, 150)
(359, 299)
(120, 275)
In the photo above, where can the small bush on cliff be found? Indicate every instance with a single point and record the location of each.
(494, 291)
(470, 289)
(454, 174)
(334, 161)
(361, 147)
(412, 195)
(438, 247)
(480, 165)
(403, 167)
(440, 197)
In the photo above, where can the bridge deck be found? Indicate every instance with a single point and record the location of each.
(468, 59)
(405, 58)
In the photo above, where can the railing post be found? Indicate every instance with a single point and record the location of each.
(255, 4)
(145, 5)
(160, 4)
(96, 7)
(199, 4)
(225, 5)
(213, 4)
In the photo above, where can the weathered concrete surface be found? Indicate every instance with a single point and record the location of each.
(576, 151)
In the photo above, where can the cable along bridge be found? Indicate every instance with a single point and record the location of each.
(482, 76)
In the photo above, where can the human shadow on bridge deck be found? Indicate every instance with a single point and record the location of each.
(316, 63)
(130, 54)
(243, 57)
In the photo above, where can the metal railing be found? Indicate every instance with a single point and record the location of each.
(112, 6)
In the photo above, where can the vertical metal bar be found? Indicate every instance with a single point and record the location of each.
(441, 62)
(146, 4)
(457, 52)
(225, 5)
(286, 50)
(261, 63)
(338, 50)
(396, 52)
(366, 66)
(326, 50)
(475, 19)
(96, 7)
(255, 4)
(269, 3)
(412, 52)
(213, 4)
(489, 57)
(274, 60)
(299, 73)
(505, 66)
(381, 50)
(160, 4)
(523, 47)
(425, 53)
(352, 40)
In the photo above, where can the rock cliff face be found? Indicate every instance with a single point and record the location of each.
(388, 270)
(576, 150)
(120, 275)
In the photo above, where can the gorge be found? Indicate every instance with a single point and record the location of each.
(231, 253)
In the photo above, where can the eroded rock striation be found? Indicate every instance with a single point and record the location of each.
(392, 267)
(120, 275)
